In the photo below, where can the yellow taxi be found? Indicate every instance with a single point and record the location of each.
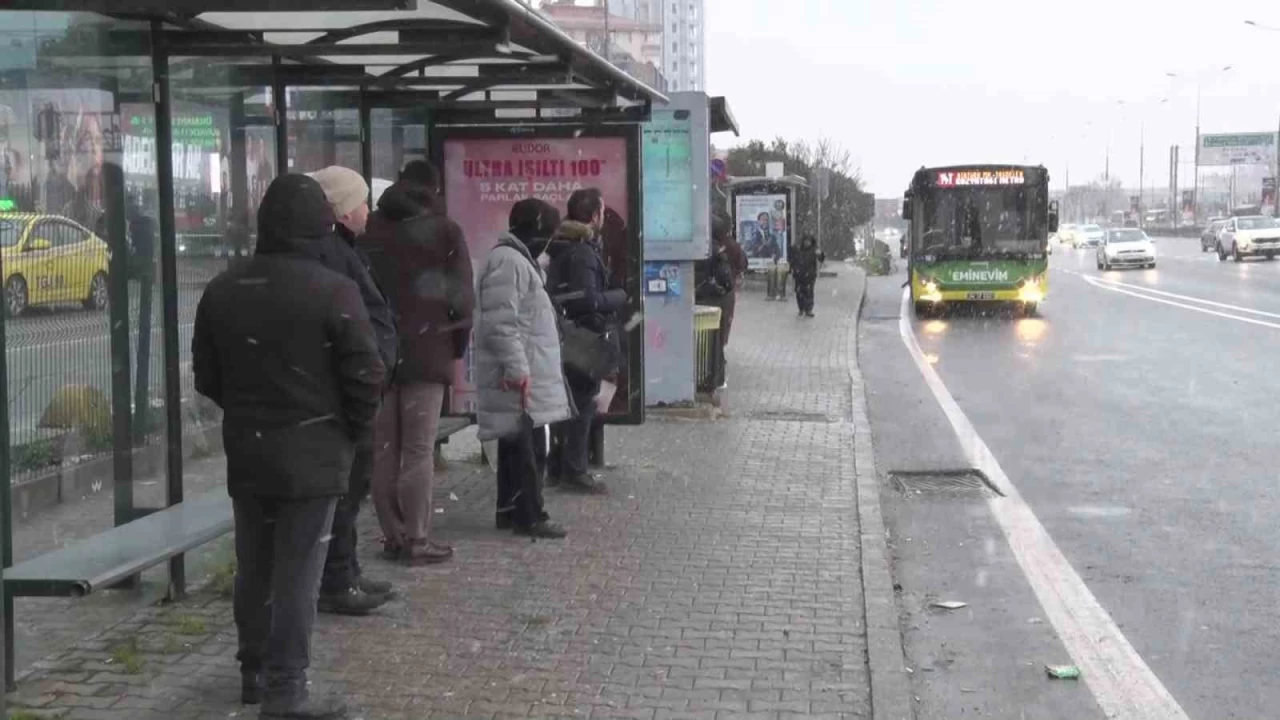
(50, 260)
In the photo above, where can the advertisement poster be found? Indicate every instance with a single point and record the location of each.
(1237, 149)
(55, 143)
(762, 228)
(668, 177)
(484, 177)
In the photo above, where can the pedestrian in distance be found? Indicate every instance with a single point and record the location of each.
(421, 258)
(285, 347)
(518, 367)
(577, 273)
(344, 589)
(806, 258)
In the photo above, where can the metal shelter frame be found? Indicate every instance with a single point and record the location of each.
(495, 63)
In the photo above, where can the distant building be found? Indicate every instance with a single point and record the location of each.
(672, 34)
(888, 208)
(633, 45)
(684, 45)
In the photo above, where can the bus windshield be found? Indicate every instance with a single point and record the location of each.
(966, 222)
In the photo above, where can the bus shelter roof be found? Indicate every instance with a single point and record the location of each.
(493, 56)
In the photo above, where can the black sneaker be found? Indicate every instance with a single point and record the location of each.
(543, 529)
(353, 601)
(585, 484)
(376, 587)
(325, 708)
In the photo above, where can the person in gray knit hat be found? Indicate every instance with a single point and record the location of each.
(344, 590)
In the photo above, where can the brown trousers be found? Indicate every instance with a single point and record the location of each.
(404, 440)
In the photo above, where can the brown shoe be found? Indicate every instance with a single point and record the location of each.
(426, 553)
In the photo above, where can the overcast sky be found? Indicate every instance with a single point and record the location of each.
(905, 83)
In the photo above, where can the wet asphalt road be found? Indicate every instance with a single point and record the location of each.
(1141, 429)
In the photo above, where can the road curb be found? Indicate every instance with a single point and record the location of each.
(890, 685)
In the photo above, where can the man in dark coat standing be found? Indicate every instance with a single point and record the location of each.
(344, 590)
(285, 347)
(421, 258)
(805, 261)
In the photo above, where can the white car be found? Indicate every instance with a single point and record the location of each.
(1126, 247)
(1063, 236)
(1086, 236)
(1248, 236)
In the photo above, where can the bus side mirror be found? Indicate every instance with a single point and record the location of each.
(1053, 216)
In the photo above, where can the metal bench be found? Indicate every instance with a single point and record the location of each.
(115, 556)
(122, 552)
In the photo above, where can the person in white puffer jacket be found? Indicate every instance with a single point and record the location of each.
(519, 377)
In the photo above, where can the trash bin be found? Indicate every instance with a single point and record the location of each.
(709, 349)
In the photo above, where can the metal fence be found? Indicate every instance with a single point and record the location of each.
(59, 359)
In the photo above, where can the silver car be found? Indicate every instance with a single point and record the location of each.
(1086, 236)
(1126, 247)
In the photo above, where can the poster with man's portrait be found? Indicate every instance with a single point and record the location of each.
(762, 228)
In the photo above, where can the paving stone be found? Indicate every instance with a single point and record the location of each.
(718, 579)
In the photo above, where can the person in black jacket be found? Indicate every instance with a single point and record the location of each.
(285, 347)
(805, 260)
(577, 271)
(344, 590)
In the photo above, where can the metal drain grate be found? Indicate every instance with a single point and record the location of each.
(965, 482)
(791, 416)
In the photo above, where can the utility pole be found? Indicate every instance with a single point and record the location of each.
(1195, 194)
(1142, 166)
(607, 36)
(1066, 192)
(1275, 180)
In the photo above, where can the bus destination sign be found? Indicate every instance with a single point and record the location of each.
(969, 178)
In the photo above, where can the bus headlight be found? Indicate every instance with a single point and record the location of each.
(931, 293)
(1029, 291)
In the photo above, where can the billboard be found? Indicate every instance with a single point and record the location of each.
(485, 174)
(763, 229)
(1237, 149)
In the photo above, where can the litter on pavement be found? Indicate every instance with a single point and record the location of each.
(1063, 672)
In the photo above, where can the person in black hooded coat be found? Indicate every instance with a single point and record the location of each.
(285, 347)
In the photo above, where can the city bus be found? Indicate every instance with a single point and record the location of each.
(979, 233)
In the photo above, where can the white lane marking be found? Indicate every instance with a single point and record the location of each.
(1252, 321)
(1125, 688)
(1188, 298)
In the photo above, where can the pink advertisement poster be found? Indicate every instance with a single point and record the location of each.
(484, 177)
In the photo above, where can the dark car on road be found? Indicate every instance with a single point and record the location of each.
(1209, 235)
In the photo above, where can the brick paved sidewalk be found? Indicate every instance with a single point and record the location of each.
(719, 579)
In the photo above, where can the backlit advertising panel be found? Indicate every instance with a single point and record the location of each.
(486, 173)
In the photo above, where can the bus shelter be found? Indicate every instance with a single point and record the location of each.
(138, 139)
